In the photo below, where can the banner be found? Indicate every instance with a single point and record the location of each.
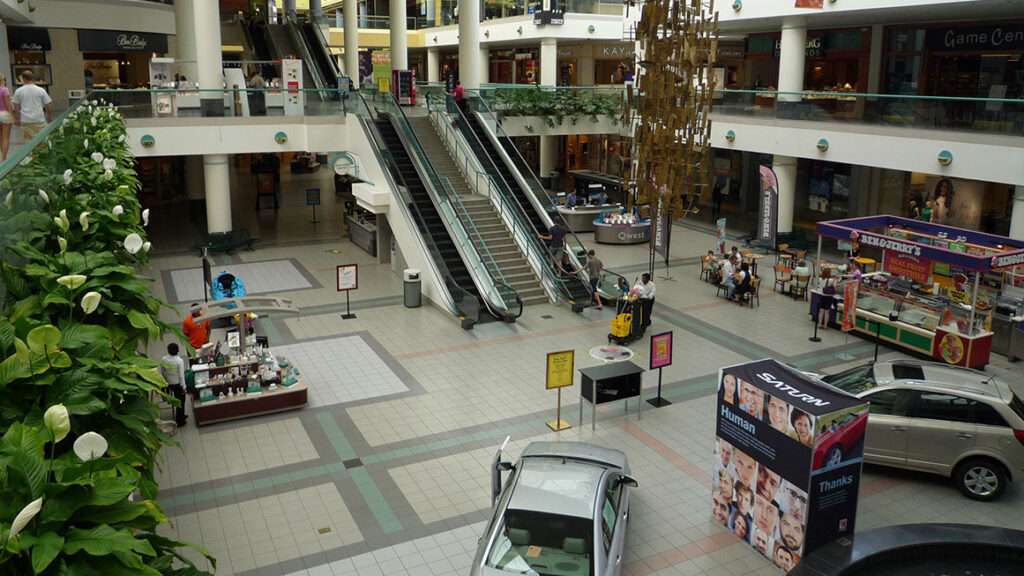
(381, 69)
(768, 215)
(787, 459)
(661, 350)
(559, 369)
(849, 305)
(720, 230)
(661, 236)
(914, 267)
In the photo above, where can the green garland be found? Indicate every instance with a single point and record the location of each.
(556, 105)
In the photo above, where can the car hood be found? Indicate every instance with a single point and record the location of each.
(578, 451)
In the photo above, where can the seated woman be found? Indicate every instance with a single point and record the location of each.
(741, 282)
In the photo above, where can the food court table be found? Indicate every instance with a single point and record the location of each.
(581, 218)
(638, 233)
(609, 383)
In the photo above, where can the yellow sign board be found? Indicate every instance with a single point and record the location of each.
(560, 369)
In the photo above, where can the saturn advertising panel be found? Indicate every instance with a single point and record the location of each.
(787, 459)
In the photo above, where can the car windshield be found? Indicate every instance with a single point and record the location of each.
(543, 544)
(854, 380)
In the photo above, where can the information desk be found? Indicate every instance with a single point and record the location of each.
(609, 383)
(584, 178)
(638, 233)
(581, 218)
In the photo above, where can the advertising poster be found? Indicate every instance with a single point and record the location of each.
(810, 4)
(787, 459)
(381, 69)
(720, 229)
(661, 236)
(849, 305)
(661, 350)
(768, 215)
(914, 267)
(559, 369)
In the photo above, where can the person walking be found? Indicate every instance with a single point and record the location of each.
(594, 269)
(6, 118)
(172, 367)
(32, 107)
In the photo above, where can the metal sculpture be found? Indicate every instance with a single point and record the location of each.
(678, 41)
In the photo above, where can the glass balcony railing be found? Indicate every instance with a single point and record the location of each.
(240, 102)
(987, 115)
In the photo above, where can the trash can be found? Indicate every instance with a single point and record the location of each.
(412, 288)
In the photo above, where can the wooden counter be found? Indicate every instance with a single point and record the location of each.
(247, 405)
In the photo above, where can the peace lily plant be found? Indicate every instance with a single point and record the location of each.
(78, 429)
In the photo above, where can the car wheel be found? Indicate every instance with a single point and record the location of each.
(835, 456)
(981, 479)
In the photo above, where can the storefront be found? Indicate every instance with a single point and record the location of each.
(28, 47)
(971, 204)
(116, 59)
(836, 60)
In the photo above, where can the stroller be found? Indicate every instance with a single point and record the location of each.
(627, 325)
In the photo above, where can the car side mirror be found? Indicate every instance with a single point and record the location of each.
(497, 467)
(626, 480)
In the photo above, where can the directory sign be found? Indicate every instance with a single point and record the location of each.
(348, 277)
(787, 459)
(560, 369)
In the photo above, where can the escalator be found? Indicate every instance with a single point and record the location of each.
(285, 42)
(259, 37)
(574, 286)
(319, 53)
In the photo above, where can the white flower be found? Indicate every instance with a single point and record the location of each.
(83, 219)
(44, 196)
(97, 157)
(117, 211)
(62, 221)
(9, 199)
(86, 143)
(121, 138)
(26, 161)
(67, 177)
(90, 446)
(133, 243)
(57, 421)
(109, 163)
(24, 517)
(108, 175)
(63, 243)
(90, 302)
(145, 217)
(146, 246)
(94, 120)
(71, 281)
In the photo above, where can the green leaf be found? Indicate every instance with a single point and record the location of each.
(45, 550)
(83, 404)
(143, 321)
(55, 298)
(44, 339)
(23, 448)
(103, 540)
(75, 335)
(118, 513)
(6, 335)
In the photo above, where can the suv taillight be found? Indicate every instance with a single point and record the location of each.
(1020, 435)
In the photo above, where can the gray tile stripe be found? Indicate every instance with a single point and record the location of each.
(222, 260)
(712, 333)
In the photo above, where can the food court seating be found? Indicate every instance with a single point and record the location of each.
(754, 294)
(783, 276)
(705, 268)
(801, 282)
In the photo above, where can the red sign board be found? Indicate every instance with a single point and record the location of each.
(916, 268)
(661, 350)
(849, 305)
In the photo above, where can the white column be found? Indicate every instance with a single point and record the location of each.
(1017, 214)
(316, 9)
(485, 65)
(351, 30)
(548, 62)
(469, 44)
(209, 68)
(399, 36)
(218, 192)
(433, 64)
(785, 170)
(289, 8)
(792, 55)
(185, 39)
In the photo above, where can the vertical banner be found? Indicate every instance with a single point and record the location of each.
(381, 69)
(720, 233)
(849, 305)
(787, 459)
(768, 214)
(662, 223)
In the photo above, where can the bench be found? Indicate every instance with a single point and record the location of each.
(227, 241)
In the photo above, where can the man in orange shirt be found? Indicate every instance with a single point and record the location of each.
(197, 332)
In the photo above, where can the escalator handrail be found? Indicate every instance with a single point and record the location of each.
(533, 235)
(549, 212)
(299, 41)
(408, 205)
(441, 191)
(324, 45)
(505, 205)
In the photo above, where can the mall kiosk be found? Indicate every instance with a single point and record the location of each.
(936, 286)
(236, 375)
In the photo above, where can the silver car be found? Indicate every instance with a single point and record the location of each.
(562, 511)
(942, 419)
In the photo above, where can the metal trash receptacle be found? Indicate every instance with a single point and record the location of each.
(411, 288)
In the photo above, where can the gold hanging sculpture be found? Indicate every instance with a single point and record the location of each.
(678, 42)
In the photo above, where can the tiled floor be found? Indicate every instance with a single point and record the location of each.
(259, 278)
(406, 409)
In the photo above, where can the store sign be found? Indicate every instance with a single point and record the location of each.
(788, 459)
(616, 52)
(1008, 260)
(999, 37)
(815, 47)
(768, 218)
(885, 243)
(115, 41)
(32, 39)
(916, 268)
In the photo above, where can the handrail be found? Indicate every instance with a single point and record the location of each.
(475, 174)
(828, 93)
(292, 28)
(324, 44)
(548, 210)
(488, 276)
(413, 215)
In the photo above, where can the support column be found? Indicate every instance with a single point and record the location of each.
(339, 20)
(399, 36)
(433, 64)
(548, 158)
(1017, 214)
(469, 44)
(316, 10)
(792, 56)
(351, 30)
(485, 65)
(785, 170)
(209, 68)
(218, 192)
(548, 62)
(184, 39)
(289, 9)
